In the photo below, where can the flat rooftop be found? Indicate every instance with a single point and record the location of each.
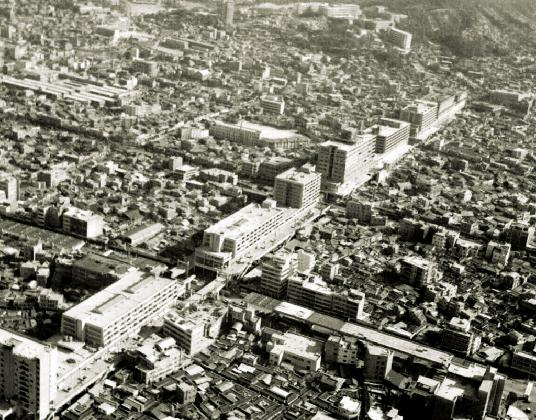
(367, 334)
(22, 345)
(298, 175)
(266, 132)
(104, 307)
(246, 220)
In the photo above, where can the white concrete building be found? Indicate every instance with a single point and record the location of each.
(120, 309)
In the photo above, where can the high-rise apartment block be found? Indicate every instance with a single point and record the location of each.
(458, 337)
(345, 165)
(297, 187)
(276, 272)
(28, 375)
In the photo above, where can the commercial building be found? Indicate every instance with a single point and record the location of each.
(94, 271)
(273, 104)
(276, 272)
(345, 165)
(458, 338)
(399, 38)
(378, 362)
(297, 187)
(314, 293)
(120, 309)
(82, 223)
(428, 114)
(391, 134)
(28, 375)
(243, 233)
(333, 326)
(303, 353)
(422, 115)
(195, 328)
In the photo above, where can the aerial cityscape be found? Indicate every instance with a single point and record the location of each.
(236, 209)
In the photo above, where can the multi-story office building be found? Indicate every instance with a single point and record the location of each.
(276, 272)
(458, 337)
(9, 185)
(314, 293)
(120, 309)
(378, 362)
(418, 271)
(422, 115)
(272, 104)
(28, 375)
(344, 166)
(243, 233)
(391, 134)
(82, 223)
(399, 38)
(195, 329)
(297, 187)
(519, 235)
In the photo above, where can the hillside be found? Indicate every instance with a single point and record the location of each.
(472, 27)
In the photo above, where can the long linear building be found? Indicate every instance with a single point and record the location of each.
(332, 325)
(120, 309)
(239, 235)
(315, 294)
